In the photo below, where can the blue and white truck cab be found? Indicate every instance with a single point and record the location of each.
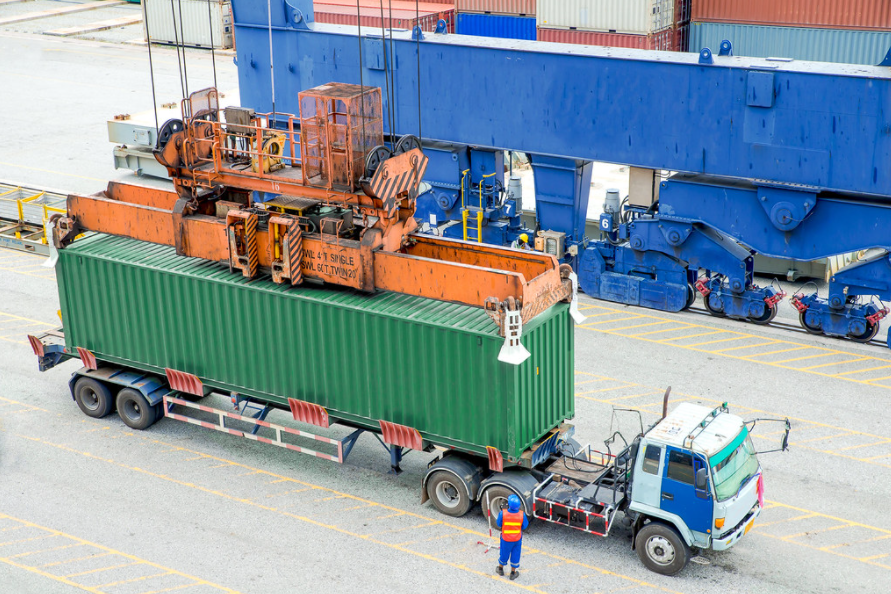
(696, 483)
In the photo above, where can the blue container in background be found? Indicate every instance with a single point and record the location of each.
(820, 45)
(495, 25)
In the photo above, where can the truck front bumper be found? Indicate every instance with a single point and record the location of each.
(729, 539)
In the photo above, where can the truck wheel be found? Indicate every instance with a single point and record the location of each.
(448, 494)
(497, 501)
(135, 410)
(93, 397)
(661, 548)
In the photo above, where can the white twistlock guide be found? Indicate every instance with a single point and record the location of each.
(577, 316)
(53, 252)
(513, 351)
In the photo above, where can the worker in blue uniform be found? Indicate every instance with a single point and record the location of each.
(512, 523)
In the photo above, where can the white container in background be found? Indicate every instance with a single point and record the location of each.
(639, 17)
(197, 25)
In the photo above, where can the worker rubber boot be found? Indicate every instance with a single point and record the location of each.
(514, 574)
(500, 570)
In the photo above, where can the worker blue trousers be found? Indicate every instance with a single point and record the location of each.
(510, 550)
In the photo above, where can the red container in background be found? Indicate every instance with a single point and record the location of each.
(832, 14)
(512, 7)
(371, 17)
(665, 40)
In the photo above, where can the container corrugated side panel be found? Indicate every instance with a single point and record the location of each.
(848, 46)
(516, 7)
(371, 17)
(833, 14)
(385, 356)
(187, 22)
(493, 25)
(638, 17)
(664, 40)
(391, 4)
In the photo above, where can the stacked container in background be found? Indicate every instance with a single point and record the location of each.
(509, 19)
(642, 24)
(401, 14)
(850, 31)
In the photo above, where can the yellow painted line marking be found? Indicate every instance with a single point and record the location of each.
(169, 589)
(590, 381)
(819, 531)
(136, 579)
(748, 346)
(651, 392)
(338, 529)
(9, 542)
(805, 357)
(855, 542)
(101, 569)
(76, 559)
(876, 379)
(635, 317)
(867, 369)
(647, 325)
(833, 436)
(839, 363)
(795, 519)
(715, 341)
(775, 353)
(664, 340)
(866, 445)
(68, 546)
(873, 557)
(664, 330)
(605, 389)
(105, 551)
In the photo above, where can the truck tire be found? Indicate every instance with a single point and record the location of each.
(135, 410)
(93, 397)
(661, 548)
(497, 501)
(449, 495)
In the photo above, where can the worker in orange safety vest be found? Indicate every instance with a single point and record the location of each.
(512, 523)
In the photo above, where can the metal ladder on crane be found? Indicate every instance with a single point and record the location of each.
(476, 223)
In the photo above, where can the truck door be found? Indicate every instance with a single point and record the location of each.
(679, 494)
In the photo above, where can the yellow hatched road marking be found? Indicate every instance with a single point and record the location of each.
(647, 325)
(867, 369)
(136, 579)
(605, 389)
(806, 357)
(101, 569)
(634, 317)
(775, 353)
(335, 528)
(839, 363)
(866, 445)
(663, 330)
(103, 551)
(748, 346)
(755, 357)
(664, 340)
(716, 341)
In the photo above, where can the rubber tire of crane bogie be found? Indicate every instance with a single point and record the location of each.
(655, 530)
(93, 397)
(438, 483)
(135, 410)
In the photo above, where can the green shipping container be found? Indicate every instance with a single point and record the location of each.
(427, 364)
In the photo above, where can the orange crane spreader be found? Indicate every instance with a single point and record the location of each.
(344, 213)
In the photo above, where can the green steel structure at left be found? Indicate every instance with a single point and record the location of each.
(420, 363)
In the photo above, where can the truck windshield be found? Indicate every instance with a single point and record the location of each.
(733, 466)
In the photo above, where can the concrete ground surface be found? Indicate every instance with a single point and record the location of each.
(90, 505)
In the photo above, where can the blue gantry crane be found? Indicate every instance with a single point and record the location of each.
(784, 158)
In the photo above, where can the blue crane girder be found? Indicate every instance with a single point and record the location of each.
(789, 122)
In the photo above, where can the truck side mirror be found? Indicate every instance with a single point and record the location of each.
(701, 478)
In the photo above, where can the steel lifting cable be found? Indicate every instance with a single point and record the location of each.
(418, 49)
(213, 57)
(176, 42)
(151, 72)
(390, 110)
(182, 39)
(392, 70)
(361, 78)
(271, 63)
